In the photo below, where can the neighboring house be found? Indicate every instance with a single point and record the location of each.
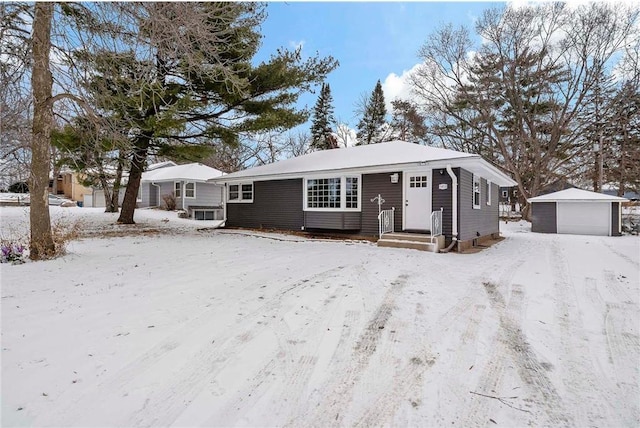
(336, 190)
(577, 211)
(68, 184)
(188, 184)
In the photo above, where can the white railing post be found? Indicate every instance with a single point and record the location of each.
(386, 220)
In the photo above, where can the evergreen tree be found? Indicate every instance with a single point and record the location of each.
(371, 128)
(323, 119)
(407, 123)
(188, 80)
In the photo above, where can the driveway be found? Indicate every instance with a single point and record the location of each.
(222, 328)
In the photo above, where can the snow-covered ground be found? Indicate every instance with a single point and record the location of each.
(184, 326)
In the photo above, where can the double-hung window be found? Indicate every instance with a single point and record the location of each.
(242, 192)
(476, 192)
(190, 190)
(332, 194)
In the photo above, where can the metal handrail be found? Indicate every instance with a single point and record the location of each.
(386, 221)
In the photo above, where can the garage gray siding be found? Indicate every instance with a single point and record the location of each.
(372, 185)
(615, 219)
(543, 217)
(473, 223)
(276, 205)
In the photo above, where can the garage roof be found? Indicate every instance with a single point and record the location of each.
(576, 195)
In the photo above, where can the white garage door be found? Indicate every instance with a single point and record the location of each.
(584, 218)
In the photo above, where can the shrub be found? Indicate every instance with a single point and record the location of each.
(169, 201)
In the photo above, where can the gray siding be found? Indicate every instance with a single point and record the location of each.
(332, 220)
(166, 188)
(442, 199)
(276, 204)
(475, 222)
(615, 219)
(372, 185)
(543, 217)
(207, 195)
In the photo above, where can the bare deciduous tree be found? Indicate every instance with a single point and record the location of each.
(516, 98)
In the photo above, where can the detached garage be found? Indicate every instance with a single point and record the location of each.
(577, 212)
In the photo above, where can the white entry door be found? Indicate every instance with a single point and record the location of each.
(417, 203)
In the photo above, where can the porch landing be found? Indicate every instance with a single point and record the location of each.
(416, 241)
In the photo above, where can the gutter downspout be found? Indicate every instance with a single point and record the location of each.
(223, 189)
(454, 210)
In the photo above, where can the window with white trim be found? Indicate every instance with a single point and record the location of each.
(505, 194)
(351, 190)
(190, 190)
(488, 192)
(242, 192)
(332, 193)
(177, 189)
(476, 192)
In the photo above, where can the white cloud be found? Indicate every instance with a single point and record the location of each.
(398, 87)
(297, 44)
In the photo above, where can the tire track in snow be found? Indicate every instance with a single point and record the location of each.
(623, 344)
(191, 379)
(337, 394)
(160, 407)
(578, 374)
(635, 263)
(510, 344)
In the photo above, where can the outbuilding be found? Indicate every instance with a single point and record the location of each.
(578, 212)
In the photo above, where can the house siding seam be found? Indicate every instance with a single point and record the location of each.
(544, 217)
(276, 204)
(615, 219)
(380, 184)
(473, 223)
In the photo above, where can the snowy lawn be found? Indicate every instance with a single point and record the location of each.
(188, 327)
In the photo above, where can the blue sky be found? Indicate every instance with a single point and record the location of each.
(371, 40)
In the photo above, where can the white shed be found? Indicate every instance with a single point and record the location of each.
(578, 212)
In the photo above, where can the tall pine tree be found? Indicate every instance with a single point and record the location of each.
(371, 128)
(322, 137)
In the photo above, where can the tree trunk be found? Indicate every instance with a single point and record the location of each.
(41, 241)
(135, 174)
(117, 182)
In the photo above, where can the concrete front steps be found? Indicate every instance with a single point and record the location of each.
(415, 241)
